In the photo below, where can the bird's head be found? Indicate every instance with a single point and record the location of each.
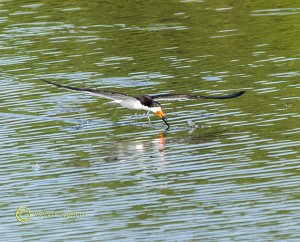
(153, 106)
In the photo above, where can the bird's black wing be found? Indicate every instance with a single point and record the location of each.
(112, 95)
(185, 97)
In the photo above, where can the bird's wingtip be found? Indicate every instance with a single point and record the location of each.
(239, 94)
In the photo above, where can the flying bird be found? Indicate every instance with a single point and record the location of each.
(148, 103)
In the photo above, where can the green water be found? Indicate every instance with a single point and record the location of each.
(233, 177)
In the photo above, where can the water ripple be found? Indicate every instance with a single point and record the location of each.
(276, 12)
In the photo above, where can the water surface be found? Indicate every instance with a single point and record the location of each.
(233, 176)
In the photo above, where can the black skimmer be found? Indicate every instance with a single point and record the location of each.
(148, 103)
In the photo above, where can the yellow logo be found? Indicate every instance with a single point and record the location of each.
(23, 214)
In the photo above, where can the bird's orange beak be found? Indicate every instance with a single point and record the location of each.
(160, 114)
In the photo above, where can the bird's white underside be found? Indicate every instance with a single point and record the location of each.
(127, 102)
(136, 104)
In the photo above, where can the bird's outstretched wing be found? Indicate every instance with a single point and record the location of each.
(112, 95)
(185, 97)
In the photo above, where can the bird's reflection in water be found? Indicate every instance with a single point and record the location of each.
(148, 153)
